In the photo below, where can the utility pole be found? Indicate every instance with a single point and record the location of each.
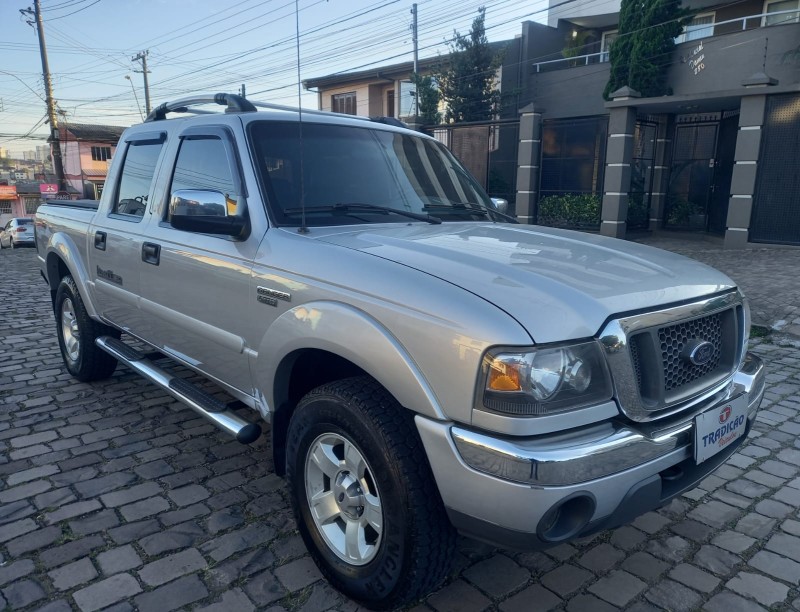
(243, 91)
(58, 164)
(416, 58)
(142, 56)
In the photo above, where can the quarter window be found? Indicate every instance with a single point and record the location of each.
(137, 175)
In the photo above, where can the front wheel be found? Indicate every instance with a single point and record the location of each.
(364, 496)
(77, 332)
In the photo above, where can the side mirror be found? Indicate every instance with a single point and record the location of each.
(501, 205)
(206, 212)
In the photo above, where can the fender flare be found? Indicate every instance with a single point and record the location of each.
(351, 334)
(62, 247)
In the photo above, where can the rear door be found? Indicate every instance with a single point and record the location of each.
(116, 236)
(196, 287)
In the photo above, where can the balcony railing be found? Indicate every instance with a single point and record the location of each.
(764, 20)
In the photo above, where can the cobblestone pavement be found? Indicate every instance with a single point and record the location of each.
(111, 494)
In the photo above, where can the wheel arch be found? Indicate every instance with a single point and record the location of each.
(319, 342)
(63, 258)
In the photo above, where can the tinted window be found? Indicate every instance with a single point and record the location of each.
(137, 175)
(203, 164)
(24, 221)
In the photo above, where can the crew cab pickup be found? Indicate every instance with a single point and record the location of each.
(427, 365)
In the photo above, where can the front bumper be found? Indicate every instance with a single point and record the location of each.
(512, 491)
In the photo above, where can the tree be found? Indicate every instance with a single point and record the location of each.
(428, 98)
(467, 82)
(642, 51)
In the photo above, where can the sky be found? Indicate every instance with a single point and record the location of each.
(211, 46)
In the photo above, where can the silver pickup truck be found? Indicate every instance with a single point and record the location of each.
(427, 366)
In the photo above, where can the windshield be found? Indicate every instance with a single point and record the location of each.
(24, 221)
(346, 169)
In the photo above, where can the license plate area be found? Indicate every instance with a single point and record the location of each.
(719, 427)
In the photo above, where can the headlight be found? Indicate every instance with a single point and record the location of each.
(544, 380)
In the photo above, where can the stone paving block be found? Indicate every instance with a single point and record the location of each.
(224, 546)
(694, 578)
(31, 474)
(106, 592)
(21, 441)
(772, 508)
(70, 551)
(671, 549)
(73, 574)
(104, 484)
(188, 495)
(54, 498)
(458, 596)
(71, 511)
(714, 513)
(144, 508)
(60, 605)
(627, 537)
(24, 491)
(94, 523)
(786, 545)
(23, 593)
(566, 579)
(732, 499)
(789, 496)
(177, 537)
(172, 566)
(172, 596)
(760, 588)
(672, 596)
(225, 519)
(10, 531)
(748, 488)
(264, 588)
(645, 566)
(133, 531)
(9, 572)
(298, 574)
(498, 576)
(34, 540)
(733, 541)
(132, 494)
(235, 599)
(618, 588)
(651, 522)
(154, 469)
(118, 559)
(716, 560)
(184, 514)
(15, 511)
(535, 598)
(756, 525)
(778, 468)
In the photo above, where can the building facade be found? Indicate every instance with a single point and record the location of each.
(86, 151)
(719, 155)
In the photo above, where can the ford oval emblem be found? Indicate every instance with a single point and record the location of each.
(698, 352)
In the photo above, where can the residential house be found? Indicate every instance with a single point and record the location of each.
(718, 155)
(86, 151)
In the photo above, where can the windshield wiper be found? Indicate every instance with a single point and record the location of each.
(361, 206)
(473, 209)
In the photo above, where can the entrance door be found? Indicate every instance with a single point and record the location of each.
(691, 176)
(723, 171)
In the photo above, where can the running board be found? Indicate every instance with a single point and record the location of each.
(198, 400)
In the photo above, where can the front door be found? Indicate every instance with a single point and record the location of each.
(723, 172)
(691, 176)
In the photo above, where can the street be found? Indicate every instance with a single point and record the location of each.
(112, 494)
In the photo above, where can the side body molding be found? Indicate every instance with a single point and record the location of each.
(352, 334)
(62, 246)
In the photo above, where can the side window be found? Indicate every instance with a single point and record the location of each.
(203, 164)
(137, 175)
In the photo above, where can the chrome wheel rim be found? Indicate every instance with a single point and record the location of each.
(70, 331)
(343, 499)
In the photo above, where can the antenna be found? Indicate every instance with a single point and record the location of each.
(302, 229)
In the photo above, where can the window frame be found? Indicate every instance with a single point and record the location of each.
(344, 97)
(98, 153)
(682, 37)
(765, 12)
(605, 47)
(141, 138)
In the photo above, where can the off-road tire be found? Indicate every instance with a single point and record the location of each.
(90, 362)
(417, 545)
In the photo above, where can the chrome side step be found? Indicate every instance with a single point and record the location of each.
(198, 400)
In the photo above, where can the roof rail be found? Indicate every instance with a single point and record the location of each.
(238, 104)
(234, 104)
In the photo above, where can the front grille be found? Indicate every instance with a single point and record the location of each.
(652, 355)
(674, 339)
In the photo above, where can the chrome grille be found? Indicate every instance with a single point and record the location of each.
(674, 339)
(649, 355)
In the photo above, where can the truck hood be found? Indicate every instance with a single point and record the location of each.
(558, 284)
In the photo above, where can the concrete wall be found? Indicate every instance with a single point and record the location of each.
(573, 92)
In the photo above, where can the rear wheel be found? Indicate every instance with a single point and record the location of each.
(77, 333)
(364, 496)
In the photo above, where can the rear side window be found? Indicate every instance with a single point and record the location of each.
(24, 221)
(137, 175)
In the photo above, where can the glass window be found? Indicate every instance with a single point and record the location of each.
(781, 7)
(406, 173)
(32, 204)
(573, 156)
(605, 45)
(203, 164)
(701, 26)
(137, 175)
(344, 103)
(101, 153)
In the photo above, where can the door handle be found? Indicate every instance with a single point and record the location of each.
(151, 253)
(100, 241)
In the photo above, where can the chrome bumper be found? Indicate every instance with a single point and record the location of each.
(599, 450)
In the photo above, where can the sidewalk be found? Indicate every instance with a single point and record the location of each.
(768, 275)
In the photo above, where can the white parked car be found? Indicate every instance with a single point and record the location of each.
(17, 232)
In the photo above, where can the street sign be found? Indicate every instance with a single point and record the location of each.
(62, 195)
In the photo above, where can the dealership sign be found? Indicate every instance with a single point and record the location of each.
(48, 190)
(8, 192)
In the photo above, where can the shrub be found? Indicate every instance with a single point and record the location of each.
(576, 210)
